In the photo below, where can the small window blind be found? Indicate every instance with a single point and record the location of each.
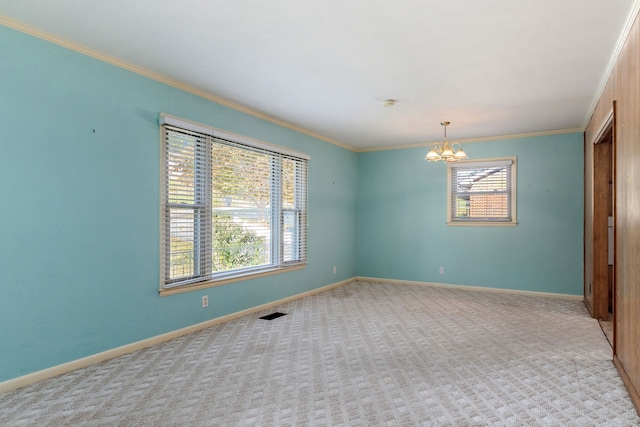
(481, 191)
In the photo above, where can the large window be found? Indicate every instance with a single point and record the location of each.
(232, 206)
(482, 192)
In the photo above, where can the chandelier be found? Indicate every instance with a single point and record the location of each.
(445, 152)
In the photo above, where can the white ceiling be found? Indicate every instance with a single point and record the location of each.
(491, 67)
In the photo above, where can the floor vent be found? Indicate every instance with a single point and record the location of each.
(273, 316)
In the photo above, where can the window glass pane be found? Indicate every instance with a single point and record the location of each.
(291, 235)
(476, 180)
(236, 245)
(182, 259)
(241, 197)
(180, 166)
(488, 206)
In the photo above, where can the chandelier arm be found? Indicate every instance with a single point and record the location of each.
(446, 152)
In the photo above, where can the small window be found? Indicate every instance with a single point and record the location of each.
(482, 192)
(232, 206)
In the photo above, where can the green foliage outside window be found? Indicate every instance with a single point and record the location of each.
(234, 247)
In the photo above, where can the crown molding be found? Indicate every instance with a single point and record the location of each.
(606, 75)
(19, 26)
(471, 140)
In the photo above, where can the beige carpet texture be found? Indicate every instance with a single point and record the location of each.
(363, 354)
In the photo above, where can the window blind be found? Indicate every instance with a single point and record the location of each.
(481, 191)
(229, 208)
(187, 215)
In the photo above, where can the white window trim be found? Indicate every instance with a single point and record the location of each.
(514, 186)
(233, 276)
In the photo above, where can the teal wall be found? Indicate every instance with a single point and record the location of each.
(79, 224)
(402, 232)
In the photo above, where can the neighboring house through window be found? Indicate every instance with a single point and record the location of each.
(482, 192)
(232, 206)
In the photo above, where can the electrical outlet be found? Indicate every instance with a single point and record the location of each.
(334, 269)
(205, 300)
(441, 270)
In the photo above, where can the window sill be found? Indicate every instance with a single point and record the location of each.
(482, 223)
(229, 279)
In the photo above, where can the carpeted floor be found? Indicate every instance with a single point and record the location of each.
(364, 354)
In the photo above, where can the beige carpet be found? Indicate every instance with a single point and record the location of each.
(365, 354)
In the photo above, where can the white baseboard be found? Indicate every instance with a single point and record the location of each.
(54, 371)
(472, 288)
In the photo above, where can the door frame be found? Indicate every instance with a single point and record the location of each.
(602, 198)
